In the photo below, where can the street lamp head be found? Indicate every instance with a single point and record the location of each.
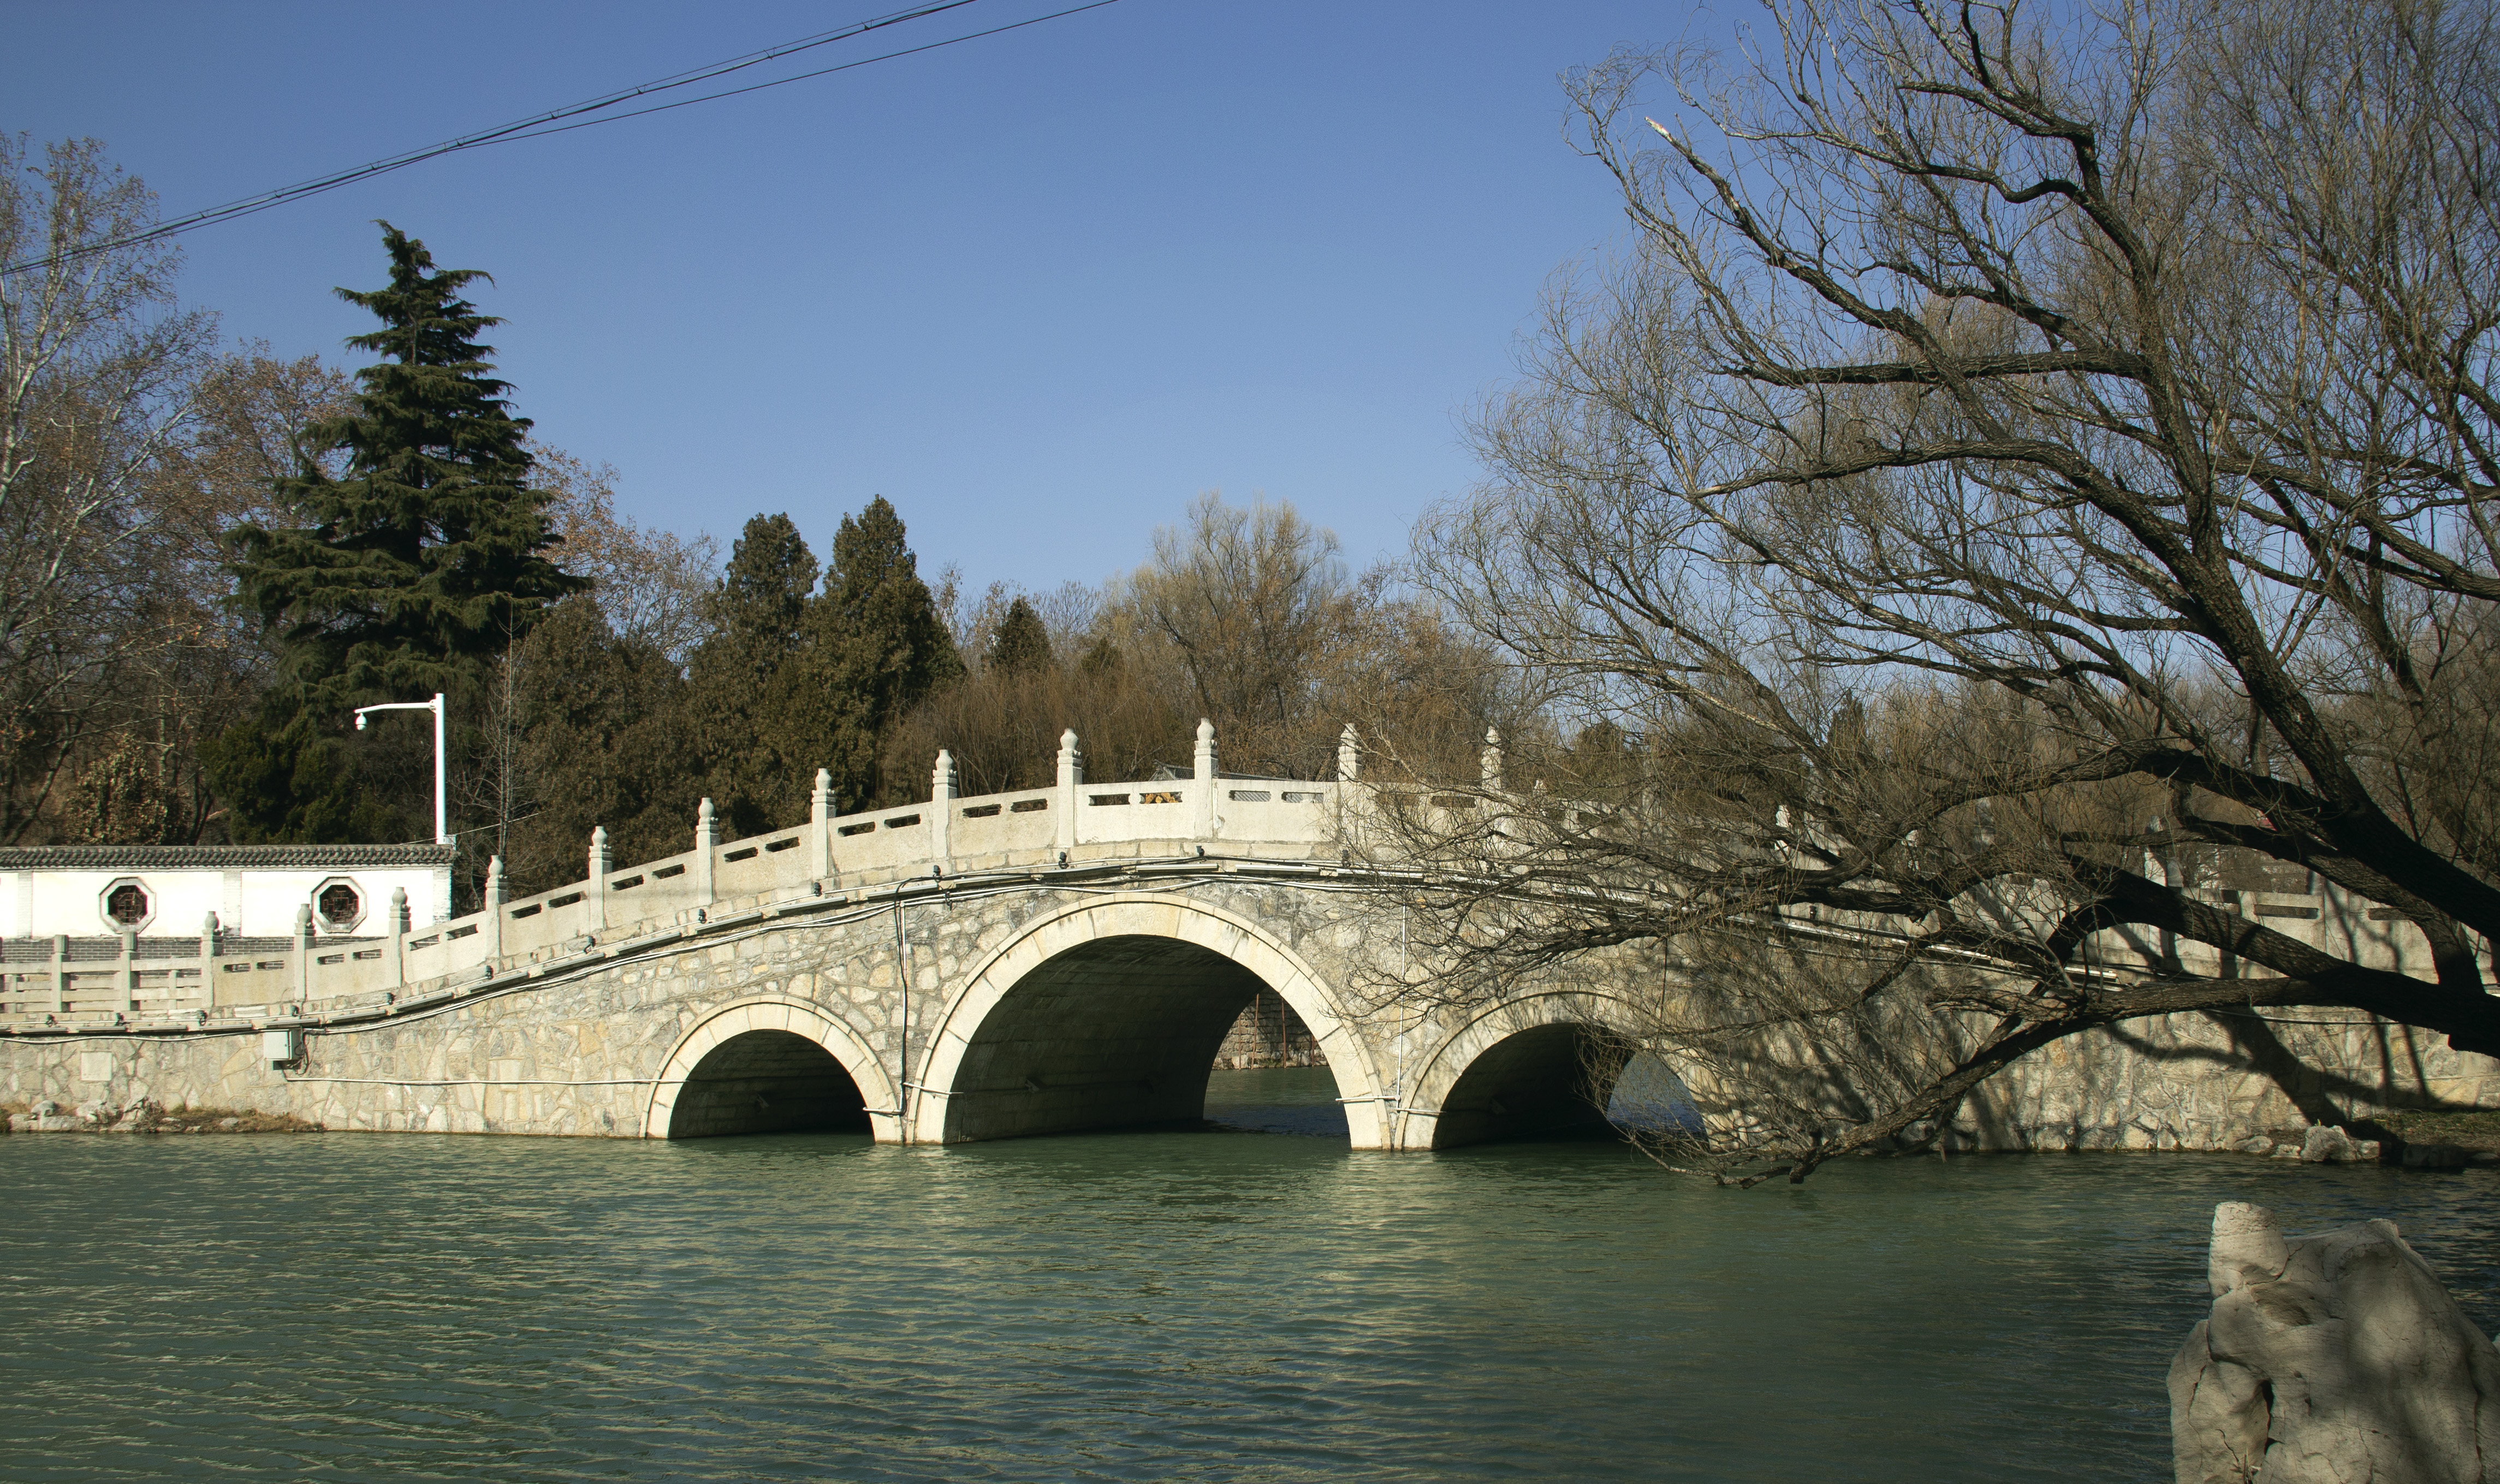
(360, 720)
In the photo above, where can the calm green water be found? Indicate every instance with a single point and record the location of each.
(1223, 1306)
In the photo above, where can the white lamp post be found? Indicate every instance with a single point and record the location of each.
(442, 831)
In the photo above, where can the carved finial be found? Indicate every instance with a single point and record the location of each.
(1492, 759)
(1349, 754)
(1205, 732)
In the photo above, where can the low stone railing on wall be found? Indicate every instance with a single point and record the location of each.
(612, 907)
(60, 985)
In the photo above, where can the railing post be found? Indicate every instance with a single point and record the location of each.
(128, 971)
(399, 936)
(61, 974)
(707, 842)
(820, 822)
(942, 807)
(303, 951)
(1349, 755)
(1201, 790)
(209, 958)
(1071, 777)
(595, 894)
(1492, 760)
(493, 905)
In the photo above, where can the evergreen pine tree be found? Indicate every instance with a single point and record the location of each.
(605, 738)
(762, 732)
(420, 562)
(880, 646)
(1021, 646)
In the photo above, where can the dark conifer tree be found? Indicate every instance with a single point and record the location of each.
(880, 646)
(762, 732)
(1021, 646)
(410, 571)
(605, 739)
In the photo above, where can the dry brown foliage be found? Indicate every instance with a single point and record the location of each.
(2025, 466)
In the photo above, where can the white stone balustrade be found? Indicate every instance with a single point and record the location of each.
(1072, 825)
(1090, 823)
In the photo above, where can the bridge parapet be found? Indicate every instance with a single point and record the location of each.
(1071, 825)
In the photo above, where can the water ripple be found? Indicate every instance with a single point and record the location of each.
(1224, 1305)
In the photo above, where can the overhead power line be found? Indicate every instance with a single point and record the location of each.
(576, 116)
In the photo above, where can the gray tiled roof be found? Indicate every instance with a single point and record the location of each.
(219, 857)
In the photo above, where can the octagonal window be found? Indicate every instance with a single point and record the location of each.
(339, 905)
(126, 905)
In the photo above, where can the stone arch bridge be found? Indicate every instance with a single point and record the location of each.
(950, 971)
(965, 969)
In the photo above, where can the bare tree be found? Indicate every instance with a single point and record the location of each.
(104, 384)
(650, 584)
(1244, 617)
(1250, 600)
(2019, 465)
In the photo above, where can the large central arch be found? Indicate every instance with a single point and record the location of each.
(1109, 1015)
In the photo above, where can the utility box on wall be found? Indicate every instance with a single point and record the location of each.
(282, 1048)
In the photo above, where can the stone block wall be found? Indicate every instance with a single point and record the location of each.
(1268, 1034)
(2218, 1081)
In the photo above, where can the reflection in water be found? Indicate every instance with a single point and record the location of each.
(1161, 1305)
(1277, 1100)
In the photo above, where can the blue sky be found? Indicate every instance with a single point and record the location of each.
(1038, 289)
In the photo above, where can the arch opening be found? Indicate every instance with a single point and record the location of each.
(767, 1081)
(1561, 1080)
(1119, 1031)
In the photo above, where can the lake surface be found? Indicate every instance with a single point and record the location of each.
(1221, 1306)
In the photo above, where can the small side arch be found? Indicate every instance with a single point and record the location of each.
(1518, 1069)
(1190, 928)
(770, 1026)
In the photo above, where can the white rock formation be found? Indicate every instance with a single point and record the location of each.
(2334, 1359)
